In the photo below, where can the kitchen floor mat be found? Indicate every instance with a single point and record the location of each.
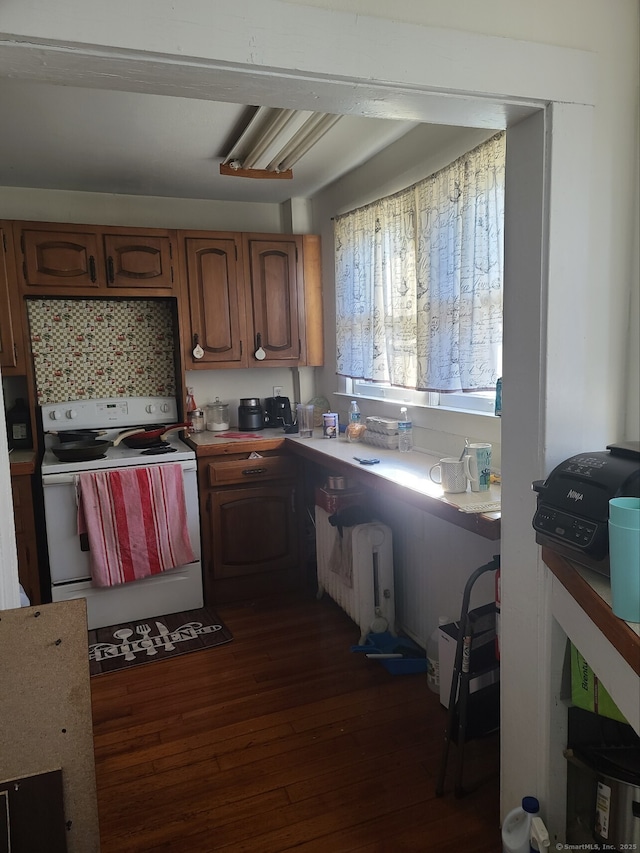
(148, 640)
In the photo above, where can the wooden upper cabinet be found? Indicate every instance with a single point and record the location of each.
(138, 261)
(274, 279)
(216, 301)
(12, 357)
(91, 260)
(248, 293)
(55, 259)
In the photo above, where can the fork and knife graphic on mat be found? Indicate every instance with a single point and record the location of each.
(145, 642)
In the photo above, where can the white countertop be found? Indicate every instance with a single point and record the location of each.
(410, 470)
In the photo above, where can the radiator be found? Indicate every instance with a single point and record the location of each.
(370, 600)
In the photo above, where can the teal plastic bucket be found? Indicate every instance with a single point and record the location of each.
(624, 558)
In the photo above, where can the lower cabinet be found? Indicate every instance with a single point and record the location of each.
(249, 517)
(28, 571)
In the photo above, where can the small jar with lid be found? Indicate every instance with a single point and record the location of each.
(196, 419)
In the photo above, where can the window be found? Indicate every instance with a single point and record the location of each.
(419, 279)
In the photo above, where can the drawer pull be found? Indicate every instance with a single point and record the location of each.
(248, 471)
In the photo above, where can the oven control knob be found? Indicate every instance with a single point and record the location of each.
(71, 414)
(164, 407)
(150, 408)
(55, 415)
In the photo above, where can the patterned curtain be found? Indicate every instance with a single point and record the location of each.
(419, 280)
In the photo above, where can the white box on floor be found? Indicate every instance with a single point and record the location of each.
(447, 641)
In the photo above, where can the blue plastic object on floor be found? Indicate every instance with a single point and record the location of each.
(413, 658)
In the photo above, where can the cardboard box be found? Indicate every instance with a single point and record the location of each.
(482, 651)
(587, 692)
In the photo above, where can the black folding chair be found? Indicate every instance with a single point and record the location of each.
(476, 714)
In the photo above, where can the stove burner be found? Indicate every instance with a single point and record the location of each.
(158, 450)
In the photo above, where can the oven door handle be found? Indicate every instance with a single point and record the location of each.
(57, 480)
(66, 479)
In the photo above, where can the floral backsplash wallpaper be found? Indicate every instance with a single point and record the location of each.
(93, 348)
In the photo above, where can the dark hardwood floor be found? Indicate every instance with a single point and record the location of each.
(282, 740)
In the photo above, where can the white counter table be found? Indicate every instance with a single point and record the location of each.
(403, 476)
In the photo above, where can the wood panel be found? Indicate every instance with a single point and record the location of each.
(216, 304)
(12, 356)
(28, 569)
(45, 707)
(282, 740)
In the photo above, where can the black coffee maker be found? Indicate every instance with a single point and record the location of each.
(277, 412)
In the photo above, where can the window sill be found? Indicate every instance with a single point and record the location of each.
(394, 404)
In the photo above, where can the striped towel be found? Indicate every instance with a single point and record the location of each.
(136, 522)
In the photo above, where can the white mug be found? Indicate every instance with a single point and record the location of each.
(479, 456)
(453, 475)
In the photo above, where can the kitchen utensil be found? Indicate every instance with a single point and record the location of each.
(362, 461)
(80, 451)
(147, 436)
(124, 634)
(304, 417)
(250, 414)
(163, 632)
(67, 435)
(145, 642)
(452, 474)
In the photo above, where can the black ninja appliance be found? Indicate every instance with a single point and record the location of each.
(277, 412)
(250, 414)
(573, 502)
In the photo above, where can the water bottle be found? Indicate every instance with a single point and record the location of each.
(516, 827)
(354, 413)
(405, 432)
(353, 428)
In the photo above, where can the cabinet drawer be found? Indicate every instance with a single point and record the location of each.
(250, 470)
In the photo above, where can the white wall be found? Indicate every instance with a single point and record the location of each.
(497, 60)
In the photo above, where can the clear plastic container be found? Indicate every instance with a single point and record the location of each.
(405, 431)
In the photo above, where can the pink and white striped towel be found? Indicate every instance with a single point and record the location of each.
(136, 522)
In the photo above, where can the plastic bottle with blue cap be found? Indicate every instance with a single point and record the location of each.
(516, 827)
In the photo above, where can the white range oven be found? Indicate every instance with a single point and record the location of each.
(170, 591)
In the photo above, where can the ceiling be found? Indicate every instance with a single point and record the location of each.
(98, 140)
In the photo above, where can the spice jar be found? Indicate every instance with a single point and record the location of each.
(196, 419)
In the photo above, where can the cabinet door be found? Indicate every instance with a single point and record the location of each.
(216, 302)
(276, 298)
(11, 348)
(138, 261)
(62, 260)
(253, 530)
(28, 571)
